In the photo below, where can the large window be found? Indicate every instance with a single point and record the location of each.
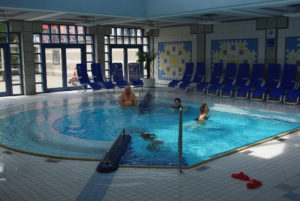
(60, 35)
(15, 82)
(123, 38)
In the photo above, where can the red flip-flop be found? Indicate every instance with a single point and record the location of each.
(254, 183)
(241, 176)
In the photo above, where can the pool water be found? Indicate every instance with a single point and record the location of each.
(87, 130)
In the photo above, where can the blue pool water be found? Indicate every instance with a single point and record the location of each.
(87, 129)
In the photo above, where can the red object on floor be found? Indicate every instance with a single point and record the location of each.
(241, 176)
(253, 184)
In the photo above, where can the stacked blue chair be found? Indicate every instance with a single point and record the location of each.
(189, 67)
(288, 83)
(257, 79)
(292, 96)
(272, 82)
(84, 78)
(241, 80)
(228, 80)
(117, 74)
(134, 75)
(98, 78)
(215, 78)
(198, 77)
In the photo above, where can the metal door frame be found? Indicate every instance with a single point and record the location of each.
(63, 48)
(7, 69)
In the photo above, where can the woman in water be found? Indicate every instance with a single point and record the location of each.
(203, 112)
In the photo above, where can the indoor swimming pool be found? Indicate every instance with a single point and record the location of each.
(85, 129)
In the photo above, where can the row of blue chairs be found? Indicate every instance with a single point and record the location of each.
(117, 76)
(239, 83)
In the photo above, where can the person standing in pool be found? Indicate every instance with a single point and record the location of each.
(203, 112)
(128, 98)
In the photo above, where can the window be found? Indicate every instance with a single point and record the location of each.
(60, 34)
(126, 37)
(13, 40)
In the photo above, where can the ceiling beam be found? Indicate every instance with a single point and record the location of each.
(251, 13)
(174, 20)
(41, 17)
(121, 21)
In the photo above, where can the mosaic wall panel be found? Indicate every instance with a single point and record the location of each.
(234, 51)
(172, 57)
(292, 50)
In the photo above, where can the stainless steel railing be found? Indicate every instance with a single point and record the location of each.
(180, 159)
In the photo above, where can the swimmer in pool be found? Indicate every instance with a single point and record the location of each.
(128, 98)
(203, 113)
(177, 103)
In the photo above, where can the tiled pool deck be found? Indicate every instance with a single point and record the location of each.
(275, 163)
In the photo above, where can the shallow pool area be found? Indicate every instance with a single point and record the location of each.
(85, 128)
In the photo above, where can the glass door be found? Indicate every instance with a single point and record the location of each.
(59, 66)
(118, 56)
(54, 70)
(125, 55)
(5, 75)
(132, 58)
(73, 57)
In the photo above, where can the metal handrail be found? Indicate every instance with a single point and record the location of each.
(180, 159)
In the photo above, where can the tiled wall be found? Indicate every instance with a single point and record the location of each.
(174, 34)
(292, 31)
(234, 30)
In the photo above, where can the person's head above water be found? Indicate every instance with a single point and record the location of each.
(127, 89)
(128, 98)
(177, 103)
(204, 108)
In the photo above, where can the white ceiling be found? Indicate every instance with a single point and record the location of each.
(216, 15)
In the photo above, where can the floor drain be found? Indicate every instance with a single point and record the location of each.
(7, 152)
(51, 160)
(202, 168)
(281, 139)
(247, 152)
(285, 187)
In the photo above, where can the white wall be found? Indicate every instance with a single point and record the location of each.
(292, 31)
(235, 30)
(174, 34)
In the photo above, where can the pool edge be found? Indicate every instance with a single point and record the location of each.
(159, 167)
(218, 156)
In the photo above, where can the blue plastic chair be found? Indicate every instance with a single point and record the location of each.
(288, 83)
(292, 96)
(241, 80)
(117, 74)
(189, 67)
(134, 75)
(228, 79)
(98, 78)
(84, 78)
(257, 79)
(272, 82)
(198, 77)
(215, 78)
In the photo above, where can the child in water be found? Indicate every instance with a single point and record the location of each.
(203, 112)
